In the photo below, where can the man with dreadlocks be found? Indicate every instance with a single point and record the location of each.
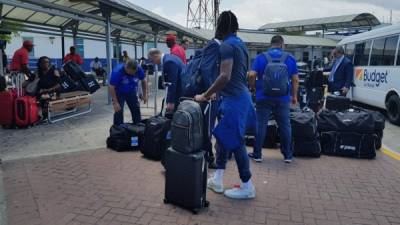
(236, 109)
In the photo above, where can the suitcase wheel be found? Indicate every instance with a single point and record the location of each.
(206, 204)
(166, 201)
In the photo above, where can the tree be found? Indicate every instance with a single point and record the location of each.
(6, 27)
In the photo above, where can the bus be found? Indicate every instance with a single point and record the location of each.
(376, 58)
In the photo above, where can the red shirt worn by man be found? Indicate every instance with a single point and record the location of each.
(21, 57)
(175, 48)
(72, 56)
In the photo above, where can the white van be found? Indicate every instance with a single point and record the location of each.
(376, 58)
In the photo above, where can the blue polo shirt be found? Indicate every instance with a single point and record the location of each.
(123, 82)
(259, 65)
(234, 48)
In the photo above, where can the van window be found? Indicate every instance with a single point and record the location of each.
(377, 52)
(361, 53)
(384, 51)
(350, 51)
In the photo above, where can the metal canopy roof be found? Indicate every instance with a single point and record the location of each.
(334, 22)
(263, 39)
(128, 21)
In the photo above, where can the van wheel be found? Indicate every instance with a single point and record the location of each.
(393, 109)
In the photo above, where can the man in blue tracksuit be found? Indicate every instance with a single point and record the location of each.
(172, 67)
(236, 109)
(279, 106)
(123, 88)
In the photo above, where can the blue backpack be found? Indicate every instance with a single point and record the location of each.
(201, 72)
(276, 76)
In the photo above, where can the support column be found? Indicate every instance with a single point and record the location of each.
(136, 58)
(107, 14)
(74, 34)
(62, 45)
(1, 52)
(143, 49)
(156, 79)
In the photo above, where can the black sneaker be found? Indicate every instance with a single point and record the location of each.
(256, 159)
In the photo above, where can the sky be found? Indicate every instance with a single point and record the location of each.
(254, 13)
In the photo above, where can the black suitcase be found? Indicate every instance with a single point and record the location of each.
(90, 84)
(186, 180)
(308, 148)
(353, 120)
(304, 124)
(74, 70)
(157, 137)
(315, 95)
(126, 137)
(349, 144)
(315, 79)
(338, 103)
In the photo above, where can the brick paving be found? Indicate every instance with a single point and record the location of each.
(108, 188)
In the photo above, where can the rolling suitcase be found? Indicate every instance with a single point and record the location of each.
(186, 180)
(90, 84)
(349, 144)
(7, 99)
(337, 103)
(26, 111)
(73, 70)
(126, 137)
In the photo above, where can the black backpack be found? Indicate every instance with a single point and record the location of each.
(187, 127)
(276, 76)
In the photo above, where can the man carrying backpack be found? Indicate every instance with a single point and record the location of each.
(275, 77)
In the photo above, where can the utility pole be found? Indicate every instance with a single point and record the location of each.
(391, 16)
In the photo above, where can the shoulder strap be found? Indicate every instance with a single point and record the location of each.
(284, 57)
(268, 57)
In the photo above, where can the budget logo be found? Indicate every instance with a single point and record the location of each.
(374, 78)
(359, 73)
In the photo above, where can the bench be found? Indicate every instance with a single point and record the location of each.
(69, 105)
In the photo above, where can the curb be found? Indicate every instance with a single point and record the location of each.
(393, 154)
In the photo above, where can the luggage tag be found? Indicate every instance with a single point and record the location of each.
(134, 141)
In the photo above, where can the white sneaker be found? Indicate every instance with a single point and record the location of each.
(241, 193)
(215, 186)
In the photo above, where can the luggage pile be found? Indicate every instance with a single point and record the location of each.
(304, 132)
(75, 72)
(18, 109)
(185, 164)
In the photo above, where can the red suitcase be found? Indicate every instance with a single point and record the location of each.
(26, 111)
(7, 99)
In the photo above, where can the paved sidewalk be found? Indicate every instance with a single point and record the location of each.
(108, 188)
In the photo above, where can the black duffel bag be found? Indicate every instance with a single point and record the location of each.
(90, 84)
(308, 148)
(67, 84)
(126, 137)
(349, 144)
(304, 124)
(73, 70)
(353, 120)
